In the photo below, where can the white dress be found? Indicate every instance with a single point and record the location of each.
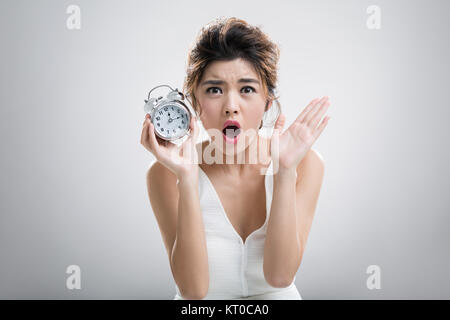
(236, 267)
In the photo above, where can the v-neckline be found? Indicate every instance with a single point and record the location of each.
(222, 208)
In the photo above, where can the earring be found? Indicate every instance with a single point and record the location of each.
(261, 124)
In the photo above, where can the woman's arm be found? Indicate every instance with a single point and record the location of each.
(293, 205)
(181, 225)
(189, 254)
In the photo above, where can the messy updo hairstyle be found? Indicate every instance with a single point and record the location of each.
(226, 39)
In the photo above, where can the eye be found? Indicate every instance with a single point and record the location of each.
(249, 88)
(214, 88)
(207, 90)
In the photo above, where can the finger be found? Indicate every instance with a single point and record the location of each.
(322, 126)
(154, 145)
(189, 143)
(144, 134)
(305, 111)
(318, 115)
(196, 130)
(193, 133)
(191, 127)
(310, 114)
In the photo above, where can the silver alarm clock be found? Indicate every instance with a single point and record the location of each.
(170, 116)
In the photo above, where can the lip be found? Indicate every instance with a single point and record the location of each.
(231, 123)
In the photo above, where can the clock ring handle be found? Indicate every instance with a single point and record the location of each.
(164, 85)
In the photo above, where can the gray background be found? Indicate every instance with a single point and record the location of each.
(73, 171)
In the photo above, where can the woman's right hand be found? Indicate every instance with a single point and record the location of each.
(181, 160)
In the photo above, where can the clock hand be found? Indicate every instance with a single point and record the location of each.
(170, 119)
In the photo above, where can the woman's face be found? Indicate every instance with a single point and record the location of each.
(231, 90)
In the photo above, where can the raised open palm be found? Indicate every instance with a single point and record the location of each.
(294, 143)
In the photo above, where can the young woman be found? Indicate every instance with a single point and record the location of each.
(231, 232)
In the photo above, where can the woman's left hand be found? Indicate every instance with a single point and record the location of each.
(295, 142)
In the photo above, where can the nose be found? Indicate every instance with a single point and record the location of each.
(231, 106)
(231, 110)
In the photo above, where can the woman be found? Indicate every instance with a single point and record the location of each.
(230, 231)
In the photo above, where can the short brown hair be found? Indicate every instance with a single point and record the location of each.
(226, 39)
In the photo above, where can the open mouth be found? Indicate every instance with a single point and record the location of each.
(231, 133)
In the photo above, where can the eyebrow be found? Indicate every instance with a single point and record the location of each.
(243, 80)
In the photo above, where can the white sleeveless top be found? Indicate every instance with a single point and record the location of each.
(236, 267)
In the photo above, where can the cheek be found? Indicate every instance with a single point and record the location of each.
(253, 118)
(255, 115)
(209, 116)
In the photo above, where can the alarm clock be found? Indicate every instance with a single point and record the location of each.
(170, 115)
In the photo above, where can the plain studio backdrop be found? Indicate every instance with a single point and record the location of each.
(73, 188)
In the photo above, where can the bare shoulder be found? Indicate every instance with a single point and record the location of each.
(158, 171)
(311, 165)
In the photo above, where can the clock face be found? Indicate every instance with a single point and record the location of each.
(171, 121)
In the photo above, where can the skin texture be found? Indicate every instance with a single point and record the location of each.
(240, 187)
